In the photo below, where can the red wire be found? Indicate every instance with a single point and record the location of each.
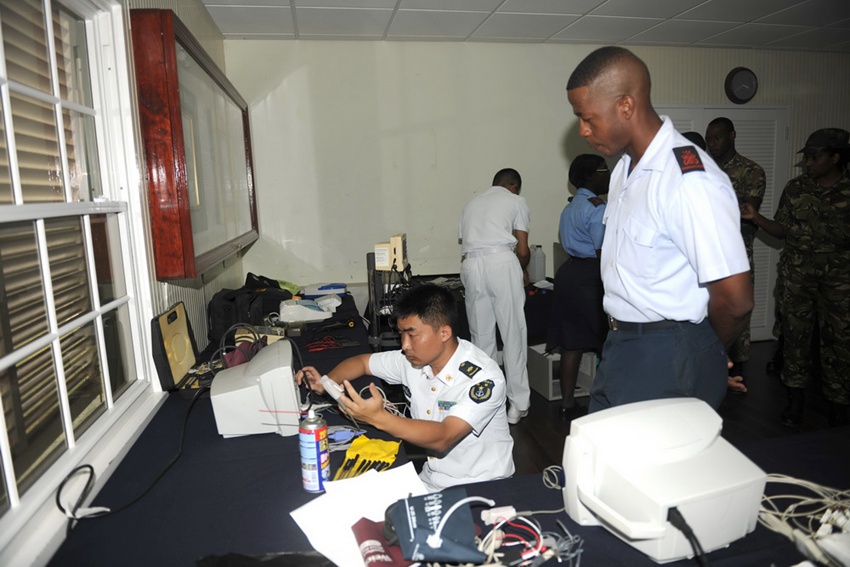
(325, 343)
(524, 527)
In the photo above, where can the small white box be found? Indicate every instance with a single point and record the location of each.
(543, 372)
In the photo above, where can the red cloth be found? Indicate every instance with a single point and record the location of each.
(374, 548)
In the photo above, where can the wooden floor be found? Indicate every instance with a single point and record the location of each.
(539, 438)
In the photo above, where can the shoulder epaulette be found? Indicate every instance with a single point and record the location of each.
(596, 201)
(468, 368)
(688, 158)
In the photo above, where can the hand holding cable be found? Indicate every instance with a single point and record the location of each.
(313, 376)
(358, 408)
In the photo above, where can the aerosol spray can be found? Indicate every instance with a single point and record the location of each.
(315, 453)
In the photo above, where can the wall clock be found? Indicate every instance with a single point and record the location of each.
(741, 85)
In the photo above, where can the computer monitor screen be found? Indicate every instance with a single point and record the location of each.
(626, 467)
(259, 396)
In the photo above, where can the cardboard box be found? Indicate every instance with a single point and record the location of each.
(543, 373)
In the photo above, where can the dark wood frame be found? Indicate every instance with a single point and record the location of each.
(154, 34)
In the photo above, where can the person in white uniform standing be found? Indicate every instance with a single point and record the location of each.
(674, 268)
(456, 393)
(495, 255)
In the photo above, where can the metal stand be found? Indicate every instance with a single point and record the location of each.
(384, 287)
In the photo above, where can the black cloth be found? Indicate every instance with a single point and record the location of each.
(223, 496)
(822, 457)
(577, 321)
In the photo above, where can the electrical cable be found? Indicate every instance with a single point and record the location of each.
(434, 540)
(806, 519)
(252, 348)
(553, 477)
(100, 512)
(674, 516)
(341, 436)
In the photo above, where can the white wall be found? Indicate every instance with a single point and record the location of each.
(355, 141)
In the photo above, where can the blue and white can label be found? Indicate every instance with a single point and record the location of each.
(315, 453)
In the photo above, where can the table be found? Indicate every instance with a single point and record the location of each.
(822, 457)
(234, 495)
(223, 495)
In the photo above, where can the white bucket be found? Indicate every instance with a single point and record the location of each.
(537, 264)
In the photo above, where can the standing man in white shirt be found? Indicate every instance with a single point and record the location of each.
(495, 254)
(456, 394)
(677, 280)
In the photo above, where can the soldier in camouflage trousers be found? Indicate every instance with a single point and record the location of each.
(748, 180)
(814, 219)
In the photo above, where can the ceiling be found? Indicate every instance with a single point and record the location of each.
(807, 25)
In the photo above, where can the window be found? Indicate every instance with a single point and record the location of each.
(68, 322)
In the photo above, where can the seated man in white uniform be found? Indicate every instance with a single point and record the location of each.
(455, 392)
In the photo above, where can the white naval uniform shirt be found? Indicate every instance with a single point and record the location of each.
(488, 220)
(479, 400)
(668, 232)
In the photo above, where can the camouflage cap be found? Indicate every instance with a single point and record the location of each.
(826, 138)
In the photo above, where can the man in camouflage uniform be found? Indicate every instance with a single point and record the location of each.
(748, 180)
(814, 219)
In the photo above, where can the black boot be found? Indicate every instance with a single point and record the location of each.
(792, 415)
(774, 365)
(837, 415)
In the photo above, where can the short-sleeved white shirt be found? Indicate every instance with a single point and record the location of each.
(471, 387)
(488, 220)
(671, 226)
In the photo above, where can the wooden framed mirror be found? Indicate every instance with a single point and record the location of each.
(197, 141)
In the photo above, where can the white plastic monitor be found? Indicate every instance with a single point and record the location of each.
(259, 396)
(627, 466)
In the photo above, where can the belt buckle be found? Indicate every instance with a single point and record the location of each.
(612, 323)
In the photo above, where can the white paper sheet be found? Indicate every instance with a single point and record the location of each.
(327, 520)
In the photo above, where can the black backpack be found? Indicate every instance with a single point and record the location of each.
(248, 304)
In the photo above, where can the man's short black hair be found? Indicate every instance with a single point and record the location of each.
(433, 304)
(696, 138)
(595, 64)
(507, 176)
(724, 121)
(583, 168)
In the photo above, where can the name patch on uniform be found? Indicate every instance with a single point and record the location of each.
(688, 159)
(469, 369)
(482, 391)
(445, 405)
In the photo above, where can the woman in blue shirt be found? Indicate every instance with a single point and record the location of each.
(577, 323)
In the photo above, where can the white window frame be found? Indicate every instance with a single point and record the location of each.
(32, 530)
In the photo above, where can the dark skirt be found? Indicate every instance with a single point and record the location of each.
(577, 321)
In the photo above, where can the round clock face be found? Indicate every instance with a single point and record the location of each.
(741, 85)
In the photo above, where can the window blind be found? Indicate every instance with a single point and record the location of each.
(29, 388)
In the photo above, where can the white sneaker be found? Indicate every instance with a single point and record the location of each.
(514, 415)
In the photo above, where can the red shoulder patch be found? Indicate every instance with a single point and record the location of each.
(596, 201)
(688, 159)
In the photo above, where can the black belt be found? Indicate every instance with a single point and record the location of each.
(615, 325)
(578, 259)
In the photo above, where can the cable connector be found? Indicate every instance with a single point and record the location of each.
(808, 547)
(82, 513)
(344, 435)
(494, 515)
